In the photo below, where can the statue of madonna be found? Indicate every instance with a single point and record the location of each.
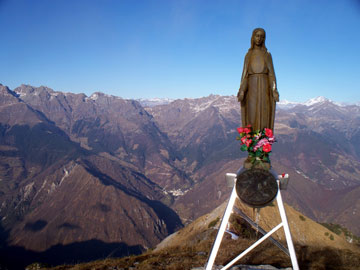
(258, 93)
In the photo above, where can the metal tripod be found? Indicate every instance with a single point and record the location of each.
(284, 223)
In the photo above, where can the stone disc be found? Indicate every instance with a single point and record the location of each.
(256, 187)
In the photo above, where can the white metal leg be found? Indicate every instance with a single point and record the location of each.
(223, 225)
(225, 221)
(289, 241)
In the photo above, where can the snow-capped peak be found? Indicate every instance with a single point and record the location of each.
(285, 104)
(316, 100)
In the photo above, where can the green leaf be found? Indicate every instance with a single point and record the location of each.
(243, 147)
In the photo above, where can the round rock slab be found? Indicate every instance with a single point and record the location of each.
(256, 187)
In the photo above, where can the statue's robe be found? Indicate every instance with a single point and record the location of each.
(258, 82)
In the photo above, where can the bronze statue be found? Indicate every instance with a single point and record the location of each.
(258, 92)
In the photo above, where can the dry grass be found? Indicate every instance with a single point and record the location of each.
(190, 246)
(183, 258)
(170, 259)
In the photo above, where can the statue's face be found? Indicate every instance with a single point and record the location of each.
(259, 38)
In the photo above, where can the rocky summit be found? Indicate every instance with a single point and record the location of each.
(104, 176)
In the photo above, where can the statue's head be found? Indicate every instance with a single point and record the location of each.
(258, 37)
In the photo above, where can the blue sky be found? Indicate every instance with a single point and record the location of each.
(178, 49)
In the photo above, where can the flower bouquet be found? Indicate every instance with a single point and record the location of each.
(258, 144)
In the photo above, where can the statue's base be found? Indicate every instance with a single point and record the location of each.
(258, 164)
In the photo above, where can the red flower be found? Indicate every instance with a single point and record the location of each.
(240, 130)
(248, 142)
(267, 148)
(243, 139)
(268, 132)
(247, 130)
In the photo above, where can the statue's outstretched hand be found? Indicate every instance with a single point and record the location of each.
(276, 95)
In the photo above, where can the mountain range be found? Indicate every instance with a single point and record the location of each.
(78, 170)
(316, 145)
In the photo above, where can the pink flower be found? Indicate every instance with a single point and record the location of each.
(260, 144)
(243, 140)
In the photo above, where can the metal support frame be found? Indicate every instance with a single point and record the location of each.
(284, 223)
(261, 230)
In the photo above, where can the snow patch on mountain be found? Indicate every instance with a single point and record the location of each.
(152, 102)
(199, 107)
(285, 104)
(222, 103)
